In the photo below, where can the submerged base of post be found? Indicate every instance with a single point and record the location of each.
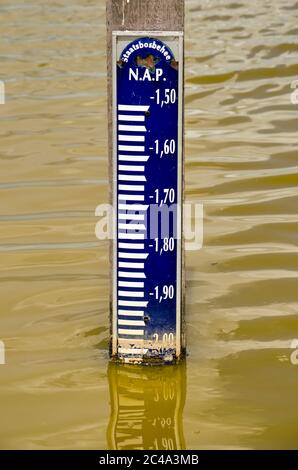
(158, 360)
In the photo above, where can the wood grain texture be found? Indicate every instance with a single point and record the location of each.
(145, 15)
(138, 15)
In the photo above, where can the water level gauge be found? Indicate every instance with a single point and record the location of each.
(147, 196)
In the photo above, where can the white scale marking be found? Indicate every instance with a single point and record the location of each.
(133, 158)
(131, 148)
(127, 341)
(131, 313)
(131, 178)
(132, 107)
(125, 128)
(133, 187)
(131, 216)
(136, 128)
(132, 303)
(123, 264)
(122, 331)
(139, 285)
(131, 322)
(127, 293)
(133, 255)
(137, 168)
(131, 226)
(131, 236)
(129, 117)
(130, 275)
(131, 138)
(134, 207)
(131, 246)
(131, 197)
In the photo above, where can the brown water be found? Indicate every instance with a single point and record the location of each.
(238, 388)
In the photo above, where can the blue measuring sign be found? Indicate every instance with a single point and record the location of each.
(147, 198)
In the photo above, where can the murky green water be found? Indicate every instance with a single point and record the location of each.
(238, 388)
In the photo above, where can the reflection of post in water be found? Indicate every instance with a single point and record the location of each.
(146, 407)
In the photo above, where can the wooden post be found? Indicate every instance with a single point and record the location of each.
(145, 97)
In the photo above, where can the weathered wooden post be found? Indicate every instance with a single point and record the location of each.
(145, 119)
